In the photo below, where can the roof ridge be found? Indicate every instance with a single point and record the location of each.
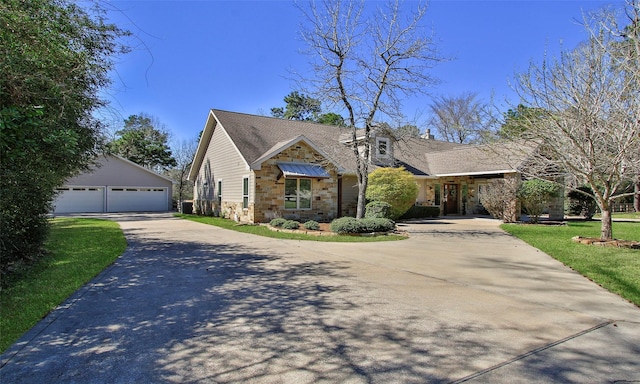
(214, 110)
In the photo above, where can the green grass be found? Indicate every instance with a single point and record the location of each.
(616, 269)
(79, 249)
(262, 230)
(623, 215)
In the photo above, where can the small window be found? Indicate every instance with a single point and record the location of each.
(117, 189)
(245, 192)
(297, 194)
(219, 192)
(382, 147)
(436, 199)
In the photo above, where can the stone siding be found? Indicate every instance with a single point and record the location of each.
(269, 188)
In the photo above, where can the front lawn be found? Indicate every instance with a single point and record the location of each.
(616, 269)
(262, 230)
(623, 215)
(78, 250)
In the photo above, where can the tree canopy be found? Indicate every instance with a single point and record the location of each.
(144, 140)
(55, 57)
(302, 107)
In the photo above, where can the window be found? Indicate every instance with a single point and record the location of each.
(297, 194)
(436, 199)
(245, 192)
(382, 146)
(219, 192)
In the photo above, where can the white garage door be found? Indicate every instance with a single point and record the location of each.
(128, 199)
(79, 199)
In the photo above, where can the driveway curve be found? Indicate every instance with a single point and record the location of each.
(460, 301)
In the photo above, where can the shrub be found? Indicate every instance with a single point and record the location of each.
(378, 209)
(312, 225)
(395, 186)
(291, 224)
(420, 212)
(345, 225)
(279, 222)
(535, 195)
(377, 225)
(581, 202)
(366, 225)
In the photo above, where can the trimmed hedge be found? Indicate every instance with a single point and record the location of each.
(366, 225)
(312, 225)
(290, 224)
(420, 212)
(378, 210)
(279, 222)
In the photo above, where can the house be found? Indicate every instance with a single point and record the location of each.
(114, 184)
(255, 168)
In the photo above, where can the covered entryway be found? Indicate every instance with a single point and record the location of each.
(451, 199)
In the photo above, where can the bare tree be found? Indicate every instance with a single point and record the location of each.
(365, 61)
(461, 119)
(590, 125)
(184, 152)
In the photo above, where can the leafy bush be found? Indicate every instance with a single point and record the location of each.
(395, 186)
(279, 222)
(312, 225)
(420, 212)
(345, 225)
(377, 225)
(535, 195)
(291, 224)
(581, 202)
(366, 225)
(378, 209)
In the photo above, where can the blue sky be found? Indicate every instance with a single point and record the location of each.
(191, 56)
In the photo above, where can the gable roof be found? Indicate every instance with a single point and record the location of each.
(258, 138)
(281, 146)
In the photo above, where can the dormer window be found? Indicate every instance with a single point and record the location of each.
(382, 147)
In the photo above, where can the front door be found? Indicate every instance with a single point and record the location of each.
(451, 199)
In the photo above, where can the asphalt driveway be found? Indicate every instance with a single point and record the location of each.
(460, 301)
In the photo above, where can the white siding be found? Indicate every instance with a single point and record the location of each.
(222, 162)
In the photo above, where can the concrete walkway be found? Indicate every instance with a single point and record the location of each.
(460, 301)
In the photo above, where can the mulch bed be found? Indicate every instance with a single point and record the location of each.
(606, 243)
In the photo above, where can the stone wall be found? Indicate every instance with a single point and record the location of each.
(269, 190)
(234, 211)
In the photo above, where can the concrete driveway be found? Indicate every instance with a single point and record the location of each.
(460, 301)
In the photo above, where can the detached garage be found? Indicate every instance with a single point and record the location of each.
(115, 185)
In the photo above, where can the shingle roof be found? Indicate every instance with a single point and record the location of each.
(478, 159)
(254, 136)
(258, 136)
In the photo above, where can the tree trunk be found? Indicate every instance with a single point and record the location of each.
(636, 196)
(362, 202)
(606, 232)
